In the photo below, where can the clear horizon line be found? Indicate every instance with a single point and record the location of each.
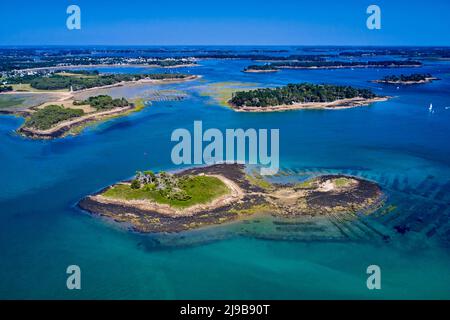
(224, 45)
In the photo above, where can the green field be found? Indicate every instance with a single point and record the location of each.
(201, 189)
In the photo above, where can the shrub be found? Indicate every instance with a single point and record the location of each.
(135, 184)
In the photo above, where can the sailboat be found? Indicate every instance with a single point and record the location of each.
(431, 108)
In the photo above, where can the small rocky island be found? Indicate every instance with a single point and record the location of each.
(302, 96)
(416, 78)
(219, 194)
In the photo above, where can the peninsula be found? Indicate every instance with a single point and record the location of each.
(50, 121)
(83, 80)
(302, 96)
(223, 193)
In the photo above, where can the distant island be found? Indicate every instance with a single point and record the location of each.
(302, 96)
(336, 64)
(260, 68)
(416, 78)
(223, 193)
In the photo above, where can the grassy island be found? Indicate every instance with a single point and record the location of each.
(103, 102)
(218, 194)
(416, 78)
(303, 95)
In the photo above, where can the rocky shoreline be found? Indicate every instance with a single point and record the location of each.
(320, 196)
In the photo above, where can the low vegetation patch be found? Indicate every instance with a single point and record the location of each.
(342, 182)
(165, 188)
(103, 102)
(258, 181)
(9, 101)
(307, 184)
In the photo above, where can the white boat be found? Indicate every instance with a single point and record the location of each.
(430, 108)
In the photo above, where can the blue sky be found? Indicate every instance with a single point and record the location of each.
(230, 22)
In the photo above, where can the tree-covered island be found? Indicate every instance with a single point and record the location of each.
(302, 96)
(260, 68)
(223, 193)
(5, 88)
(333, 65)
(415, 78)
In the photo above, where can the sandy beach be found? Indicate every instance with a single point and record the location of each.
(335, 105)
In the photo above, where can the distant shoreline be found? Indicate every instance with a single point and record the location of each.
(350, 67)
(248, 196)
(70, 67)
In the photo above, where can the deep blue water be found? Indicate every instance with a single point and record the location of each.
(397, 143)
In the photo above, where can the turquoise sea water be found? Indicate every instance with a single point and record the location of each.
(397, 143)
